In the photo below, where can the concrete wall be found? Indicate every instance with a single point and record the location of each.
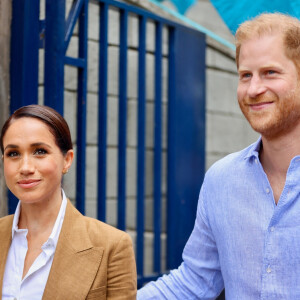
(226, 128)
(5, 19)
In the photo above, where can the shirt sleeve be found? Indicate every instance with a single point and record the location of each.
(199, 275)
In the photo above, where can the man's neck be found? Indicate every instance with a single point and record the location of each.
(276, 155)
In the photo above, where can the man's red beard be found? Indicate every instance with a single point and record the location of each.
(282, 115)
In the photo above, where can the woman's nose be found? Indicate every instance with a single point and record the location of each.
(26, 165)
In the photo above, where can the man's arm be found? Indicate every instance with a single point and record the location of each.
(199, 276)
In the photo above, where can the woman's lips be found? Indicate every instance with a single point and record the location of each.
(28, 183)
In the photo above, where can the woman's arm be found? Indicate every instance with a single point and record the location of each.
(121, 272)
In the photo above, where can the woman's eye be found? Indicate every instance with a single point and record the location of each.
(40, 151)
(12, 154)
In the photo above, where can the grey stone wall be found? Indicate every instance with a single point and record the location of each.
(226, 128)
(5, 19)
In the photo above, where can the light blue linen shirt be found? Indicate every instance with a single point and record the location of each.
(242, 240)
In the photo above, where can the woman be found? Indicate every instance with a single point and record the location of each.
(48, 250)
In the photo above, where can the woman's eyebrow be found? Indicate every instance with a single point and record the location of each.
(39, 144)
(11, 146)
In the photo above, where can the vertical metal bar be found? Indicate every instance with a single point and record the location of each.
(102, 122)
(122, 120)
(171, 155)
(54, 54)
(81, 109)
(157, 147)
(141, 144)
(24, 53)
(186, 136)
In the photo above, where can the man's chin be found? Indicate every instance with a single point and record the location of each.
(266, 130)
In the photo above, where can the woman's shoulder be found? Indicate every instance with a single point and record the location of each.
(6, 225)
(6, 220)
(95, 226)
(104, 235)
(99, 233)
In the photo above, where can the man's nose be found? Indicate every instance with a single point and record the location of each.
(26, 165)
(256, 87)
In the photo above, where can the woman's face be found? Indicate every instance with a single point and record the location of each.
(33, 163)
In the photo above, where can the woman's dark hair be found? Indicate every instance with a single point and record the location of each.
(55, 122)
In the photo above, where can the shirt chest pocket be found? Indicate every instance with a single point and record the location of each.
(99, 293)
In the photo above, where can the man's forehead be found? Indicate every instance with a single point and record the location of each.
(261, 45)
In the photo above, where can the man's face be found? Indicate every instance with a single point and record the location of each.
(268, 90)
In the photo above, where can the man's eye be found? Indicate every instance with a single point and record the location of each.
(245, 76)
(271, 72)
(40, 151)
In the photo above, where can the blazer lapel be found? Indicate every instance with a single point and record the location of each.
(5, 233)
(75, 262)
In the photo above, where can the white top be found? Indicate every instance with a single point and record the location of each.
(33, 284)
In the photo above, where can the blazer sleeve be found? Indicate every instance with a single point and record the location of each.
(121, 273)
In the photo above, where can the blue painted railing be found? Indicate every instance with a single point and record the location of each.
(186, 109)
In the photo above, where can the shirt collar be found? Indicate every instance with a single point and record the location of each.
(53, 238)
(253, 150)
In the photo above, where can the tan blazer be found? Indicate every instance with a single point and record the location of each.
(92, 260)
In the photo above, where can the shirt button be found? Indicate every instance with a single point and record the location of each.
(267, 190)
(269, 269)
(272, 229)
(256, 161)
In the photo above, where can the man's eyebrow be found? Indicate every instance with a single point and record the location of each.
(243, 69)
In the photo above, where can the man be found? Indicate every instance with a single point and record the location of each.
(247, 231)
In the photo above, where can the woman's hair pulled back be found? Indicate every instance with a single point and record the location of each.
(54, 121)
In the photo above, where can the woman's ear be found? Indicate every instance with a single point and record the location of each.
(68, 159)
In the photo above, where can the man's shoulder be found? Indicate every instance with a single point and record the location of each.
(232, 162)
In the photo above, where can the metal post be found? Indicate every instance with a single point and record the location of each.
(54, 54)
(122, 121)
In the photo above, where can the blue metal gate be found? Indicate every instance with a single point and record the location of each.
(185, 115)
